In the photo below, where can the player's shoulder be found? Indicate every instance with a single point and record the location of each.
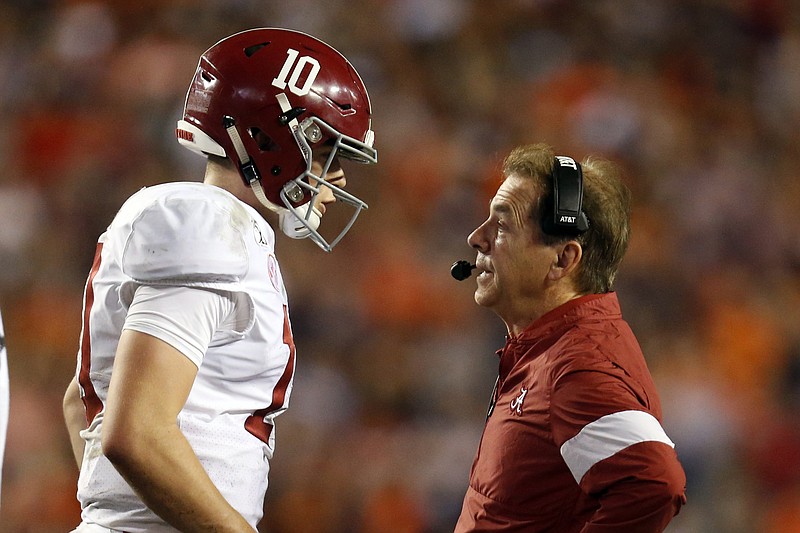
(184, 231)
(175, 193)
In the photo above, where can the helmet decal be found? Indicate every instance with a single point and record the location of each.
(297, 68)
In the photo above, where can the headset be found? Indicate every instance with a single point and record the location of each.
(565, 216)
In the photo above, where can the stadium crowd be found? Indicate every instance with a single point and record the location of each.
(699, 100)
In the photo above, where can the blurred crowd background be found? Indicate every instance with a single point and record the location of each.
(699, 101)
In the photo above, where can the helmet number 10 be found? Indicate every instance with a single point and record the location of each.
(296, 68)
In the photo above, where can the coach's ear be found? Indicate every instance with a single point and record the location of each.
(568, 256)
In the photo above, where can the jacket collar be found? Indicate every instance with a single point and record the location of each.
(550, 326)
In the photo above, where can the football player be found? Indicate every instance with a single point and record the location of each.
(186, 354)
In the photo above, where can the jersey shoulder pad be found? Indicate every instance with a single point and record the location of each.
(195, 234)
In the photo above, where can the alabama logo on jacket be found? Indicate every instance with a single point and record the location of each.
(516, 403)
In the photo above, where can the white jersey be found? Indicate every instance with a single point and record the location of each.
(199, 236)
(3, 396)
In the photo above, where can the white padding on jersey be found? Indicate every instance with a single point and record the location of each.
(608, 435)
(187, 318)
(183, 240)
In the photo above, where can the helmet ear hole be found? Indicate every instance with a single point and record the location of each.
(264, 141)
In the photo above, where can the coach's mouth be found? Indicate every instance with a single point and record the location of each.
(483, 271)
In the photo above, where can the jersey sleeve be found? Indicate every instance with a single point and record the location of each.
(188, 318)
(178, 240)
(617, 451)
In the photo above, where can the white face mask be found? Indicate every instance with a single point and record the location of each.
(303, 221)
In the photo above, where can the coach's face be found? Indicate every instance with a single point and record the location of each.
(512, 262)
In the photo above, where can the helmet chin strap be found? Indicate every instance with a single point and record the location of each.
(294, 227)
(290, 221)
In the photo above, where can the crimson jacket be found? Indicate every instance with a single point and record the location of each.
(573, 441)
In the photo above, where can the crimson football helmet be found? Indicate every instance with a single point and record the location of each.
(266, 99)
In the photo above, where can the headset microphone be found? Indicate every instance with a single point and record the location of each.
(461, 269)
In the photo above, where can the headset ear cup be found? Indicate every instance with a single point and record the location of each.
(564, 215)
(549, 227)
(583, 222)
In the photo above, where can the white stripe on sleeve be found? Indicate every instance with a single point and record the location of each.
(608, 435)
